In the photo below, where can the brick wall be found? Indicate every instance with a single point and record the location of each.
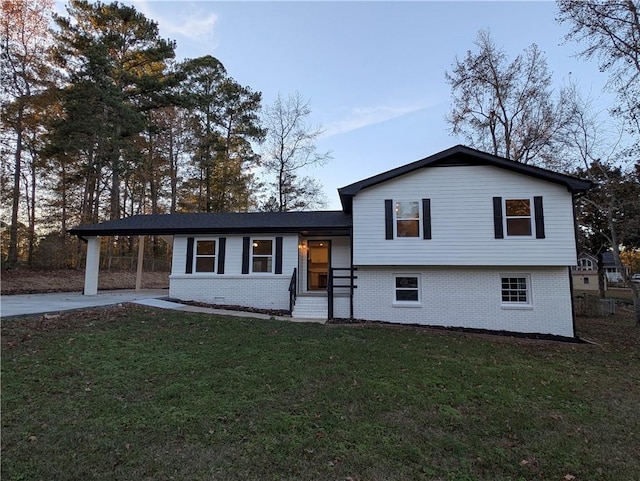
(265, 292)
(468, 297)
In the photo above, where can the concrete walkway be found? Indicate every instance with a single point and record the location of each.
(30, 304)
(26, 304)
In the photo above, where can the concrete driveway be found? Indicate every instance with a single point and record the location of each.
(27, 304)
(31, 304)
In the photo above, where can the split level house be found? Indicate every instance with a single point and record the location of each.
(459, 239)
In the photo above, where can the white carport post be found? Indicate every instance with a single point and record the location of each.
(140, 262)
(92, 266)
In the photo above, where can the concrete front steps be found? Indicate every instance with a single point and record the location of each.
(310, 307)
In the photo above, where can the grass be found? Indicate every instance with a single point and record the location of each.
(135, 393)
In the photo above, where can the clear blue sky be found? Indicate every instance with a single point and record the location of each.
(373, 71)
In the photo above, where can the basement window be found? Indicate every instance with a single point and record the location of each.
(516, 291)
(407, 289)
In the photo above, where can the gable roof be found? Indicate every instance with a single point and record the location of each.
(313, 222)
(462, 155)
(608, 260)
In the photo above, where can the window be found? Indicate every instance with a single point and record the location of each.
(518, 217)
(585, 280)
(205, 258)
(407, 289)
(407, 219)
(515, 291)
(262, 255)
(585, 264)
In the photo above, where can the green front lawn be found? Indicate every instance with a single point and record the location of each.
(135, 393)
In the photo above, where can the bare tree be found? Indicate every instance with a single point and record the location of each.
(506, 107)
(610, 212)
(290, 148)
(25, 37)
(610, 31)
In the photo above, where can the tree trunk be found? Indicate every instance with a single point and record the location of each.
(601, 276)
(153, 178)
(173, 170)
(32, 213)
(114, 211)
(12, 259)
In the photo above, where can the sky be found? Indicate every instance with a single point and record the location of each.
(374, 72)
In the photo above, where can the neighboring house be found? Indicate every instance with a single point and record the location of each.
(611, 271)
(585, 273)
(458, 239)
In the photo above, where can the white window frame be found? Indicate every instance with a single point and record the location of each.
(396, 218)
(585, 264)
(398, 303)
(528, 304)
(531, 218)
(272, 255)
(194, 270)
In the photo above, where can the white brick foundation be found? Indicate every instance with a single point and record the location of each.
(468, 297)
(264, 292)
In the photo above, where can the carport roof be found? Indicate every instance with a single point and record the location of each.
(314, 222)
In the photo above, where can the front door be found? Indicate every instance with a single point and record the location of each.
(318, 264)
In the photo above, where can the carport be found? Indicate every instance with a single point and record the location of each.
(140, 226)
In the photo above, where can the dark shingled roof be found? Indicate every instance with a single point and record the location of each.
(462, 155)
(318, 222)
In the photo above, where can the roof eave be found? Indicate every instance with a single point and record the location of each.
(573, 184)
(322, 230)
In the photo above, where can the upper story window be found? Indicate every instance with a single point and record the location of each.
(407, 219)
(262, 255)
(205, 258)
(518, 217)
(585, 264)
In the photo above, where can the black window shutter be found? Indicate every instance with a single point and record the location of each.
(222, 249)
(278, 255)
(388, 219)
(539, 213)
(426, 218)
(189, 267)
(497, 218)
(246, 243)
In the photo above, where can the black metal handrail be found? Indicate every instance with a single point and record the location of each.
(293, 290)
(330, 288)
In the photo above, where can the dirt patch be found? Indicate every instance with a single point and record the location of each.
(31, 281)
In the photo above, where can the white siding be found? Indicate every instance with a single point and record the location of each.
(462, 220)
(468, 297)
(267, 291)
